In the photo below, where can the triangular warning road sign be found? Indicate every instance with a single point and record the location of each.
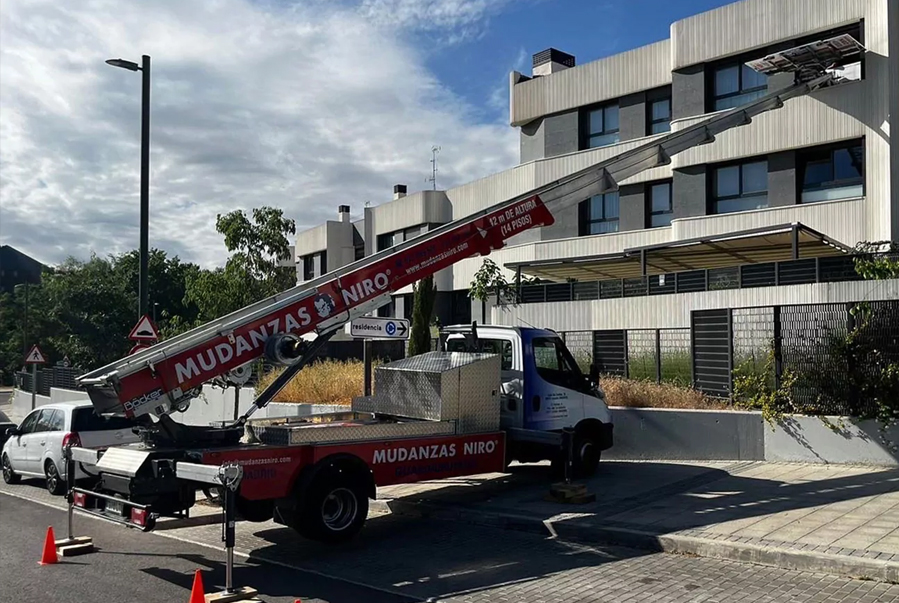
(35, 356)
(144, 330)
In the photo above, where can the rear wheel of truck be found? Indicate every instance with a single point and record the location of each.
(334, 507)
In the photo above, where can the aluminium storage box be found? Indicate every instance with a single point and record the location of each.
(439, 386)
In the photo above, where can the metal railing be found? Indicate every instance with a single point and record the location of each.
(788, 272)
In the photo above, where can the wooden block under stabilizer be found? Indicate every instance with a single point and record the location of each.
(240, 595)
(576, 494)
(75, 546)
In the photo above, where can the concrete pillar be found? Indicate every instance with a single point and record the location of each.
(893, 27)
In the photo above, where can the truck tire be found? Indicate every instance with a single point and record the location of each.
(586, 456)
(334, 507)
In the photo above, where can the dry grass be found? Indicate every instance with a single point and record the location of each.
(648, 394)
(324, 382)
(338, 382)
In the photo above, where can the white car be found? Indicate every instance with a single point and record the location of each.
(35, 448)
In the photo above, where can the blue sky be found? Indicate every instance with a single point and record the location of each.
(302, 105)
(588, 29)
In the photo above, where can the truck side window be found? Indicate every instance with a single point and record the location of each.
(555, 364)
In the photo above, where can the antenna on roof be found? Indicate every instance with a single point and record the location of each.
(433, 178)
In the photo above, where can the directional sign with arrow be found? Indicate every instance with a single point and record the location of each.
(370, 327)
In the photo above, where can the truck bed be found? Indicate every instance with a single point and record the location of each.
(340, 427)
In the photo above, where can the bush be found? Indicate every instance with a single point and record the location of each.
(649, 394)
(323, 382)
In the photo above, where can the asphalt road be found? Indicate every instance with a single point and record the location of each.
(399, 559)
(132, 566)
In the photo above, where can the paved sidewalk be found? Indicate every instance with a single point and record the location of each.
(836, 519)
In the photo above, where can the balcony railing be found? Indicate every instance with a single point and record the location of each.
(747, 276)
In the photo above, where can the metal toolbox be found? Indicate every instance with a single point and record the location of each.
(439, 386)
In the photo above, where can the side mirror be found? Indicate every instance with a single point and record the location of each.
(12, 431)
(594, 372)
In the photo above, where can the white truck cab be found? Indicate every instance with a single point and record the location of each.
(544, 390)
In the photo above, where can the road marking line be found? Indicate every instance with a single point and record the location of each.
(239, 553)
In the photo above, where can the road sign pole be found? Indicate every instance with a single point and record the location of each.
(33, 386)
(366, 359)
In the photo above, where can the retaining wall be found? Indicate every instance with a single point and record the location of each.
(213, 405)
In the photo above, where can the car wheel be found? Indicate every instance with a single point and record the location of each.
(9, 476)
(55, 484)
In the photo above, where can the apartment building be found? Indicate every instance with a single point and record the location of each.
(766, 213)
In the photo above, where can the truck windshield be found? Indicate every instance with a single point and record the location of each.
(503, 347)
(555, 363)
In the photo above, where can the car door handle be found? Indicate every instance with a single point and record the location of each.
(43, 442)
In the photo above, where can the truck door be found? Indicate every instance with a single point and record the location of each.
(552, 396)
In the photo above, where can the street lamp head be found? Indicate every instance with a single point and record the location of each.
(129, 65)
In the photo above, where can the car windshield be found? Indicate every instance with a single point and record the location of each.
(84, 419)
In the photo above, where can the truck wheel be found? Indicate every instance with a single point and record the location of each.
(586, 456)
(334, 507)
(9, 476)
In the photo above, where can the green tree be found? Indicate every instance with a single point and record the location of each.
(489, 281)
(254, 271)
(424, 293)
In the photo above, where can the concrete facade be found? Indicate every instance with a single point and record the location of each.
(552, 109)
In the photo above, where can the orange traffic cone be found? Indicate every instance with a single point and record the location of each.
(197, 594)
(49, 555)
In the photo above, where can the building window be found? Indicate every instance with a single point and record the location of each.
(660, 116)
(388, 310)
(385, 241)
(599, 214)
(737, 84)
(740, 187)
(314, 265)
(660, 208)
(308, 267)
(602, 126)
(833, 173)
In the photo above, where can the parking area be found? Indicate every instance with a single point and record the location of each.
(396, 558)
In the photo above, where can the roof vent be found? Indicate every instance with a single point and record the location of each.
(550, 61)
(399, 190)
(343, 213)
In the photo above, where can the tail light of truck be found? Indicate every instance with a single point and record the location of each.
(71, 439)
(80, 499)
(139, 517)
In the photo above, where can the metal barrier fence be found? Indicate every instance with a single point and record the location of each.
(787, 272)
(660, 355)
(831, 358)
(52, 376)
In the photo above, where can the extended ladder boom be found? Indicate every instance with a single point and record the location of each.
(158, 379)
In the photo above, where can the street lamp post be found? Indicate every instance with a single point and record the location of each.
(144, 67)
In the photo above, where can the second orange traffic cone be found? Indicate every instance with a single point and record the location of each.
(49, 555)
(197, 594)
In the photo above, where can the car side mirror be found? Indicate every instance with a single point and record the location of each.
(594, 372)
(12, 431)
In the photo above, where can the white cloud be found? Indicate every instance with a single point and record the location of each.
(301, 106)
